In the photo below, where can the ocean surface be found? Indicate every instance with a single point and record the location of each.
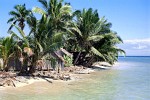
(127, 80)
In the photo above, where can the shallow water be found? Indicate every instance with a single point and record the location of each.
(130, 80)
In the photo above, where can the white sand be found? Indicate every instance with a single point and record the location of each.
(29, 81)
(26, 80)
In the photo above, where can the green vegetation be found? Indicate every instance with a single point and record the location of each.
(6, 50)
(59, 27)
(19, 16)
(68, 61)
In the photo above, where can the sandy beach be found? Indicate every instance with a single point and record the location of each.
(70, 74)
(21, 81)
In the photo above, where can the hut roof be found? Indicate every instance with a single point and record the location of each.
(66, 52)
(59, 54)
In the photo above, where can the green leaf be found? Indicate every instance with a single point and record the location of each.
(40, 47)
(23, 35)
(96, 52)
(95, 38)
(39, 11)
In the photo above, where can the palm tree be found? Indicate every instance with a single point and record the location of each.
(89, 30)
(47, 33)
(86, 29)
(42, 39)
(37, 37)
(22, 49)
(58, 15)
(19, 15)
(7, 50)
(55, 20)
(107, 46)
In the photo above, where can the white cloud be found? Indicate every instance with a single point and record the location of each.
(137, 41)
(136, 46)
(140, 47)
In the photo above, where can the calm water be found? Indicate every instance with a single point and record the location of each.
(130, 80)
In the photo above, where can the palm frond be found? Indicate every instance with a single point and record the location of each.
(44, 3)
(20, 31)
(96, 52)
(13, 34)
(39, 11)
(10, 20)
(13, 13)
(23, 35)
(40, 46)
(95, 38)
(66, 9)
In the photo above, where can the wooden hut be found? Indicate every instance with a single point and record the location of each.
(55, 60)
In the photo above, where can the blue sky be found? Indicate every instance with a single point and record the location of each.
(130, 19)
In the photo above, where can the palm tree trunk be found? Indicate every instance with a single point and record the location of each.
(77, 58)
(90, 62)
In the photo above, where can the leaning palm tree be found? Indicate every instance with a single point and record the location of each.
(86, 29)
(89, 30)
(108, 47)
(19, 15)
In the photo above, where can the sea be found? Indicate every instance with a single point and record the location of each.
(128, 79)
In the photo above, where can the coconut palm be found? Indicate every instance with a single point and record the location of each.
(22, 48)
(37, 36)
(54, 21)
(47, 33)
(86, 30)
(7, 50)
(89, 30)
(58, 15)
(19, 15)
(41, 37)
(107, 46)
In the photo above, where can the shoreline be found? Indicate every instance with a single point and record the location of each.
(74, 77)
(28, 80)
(76, 74)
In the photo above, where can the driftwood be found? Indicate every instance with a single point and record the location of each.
(7, 82)
(52, 75)
(10, 79)
(7, 79)
(7, 75)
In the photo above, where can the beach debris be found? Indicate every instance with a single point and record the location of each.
(105, 64)
(11, 79)
(7, 82)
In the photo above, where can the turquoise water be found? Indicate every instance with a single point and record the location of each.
(128, 80)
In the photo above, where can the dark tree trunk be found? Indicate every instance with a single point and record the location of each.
(77, 58)
(89, 62)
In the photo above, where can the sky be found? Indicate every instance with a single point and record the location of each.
(129, 18)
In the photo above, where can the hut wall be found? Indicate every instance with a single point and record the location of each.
(14, 64)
